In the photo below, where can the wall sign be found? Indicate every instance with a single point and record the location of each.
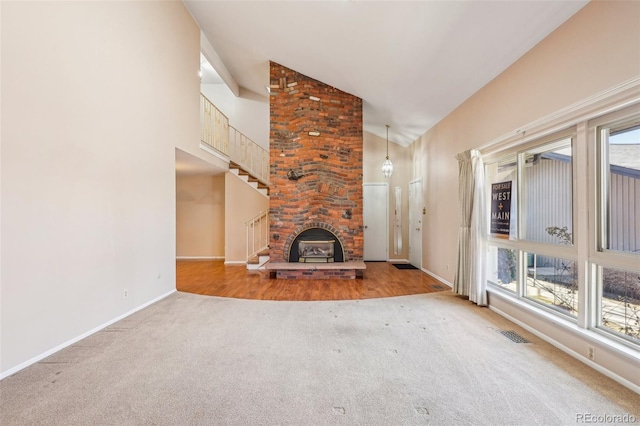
(500, 209)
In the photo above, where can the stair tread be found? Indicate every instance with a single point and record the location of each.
(249, 178)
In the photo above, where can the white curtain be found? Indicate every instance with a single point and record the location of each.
(470, 275)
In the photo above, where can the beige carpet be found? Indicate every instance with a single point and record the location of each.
(425, 359)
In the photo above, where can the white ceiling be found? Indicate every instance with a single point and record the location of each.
(412, 62)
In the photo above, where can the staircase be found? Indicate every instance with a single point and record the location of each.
(258, 240)
(248, 161)
(258, 227)
(258, 260)
(251, 180)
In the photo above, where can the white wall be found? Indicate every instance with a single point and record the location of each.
(249, 113)
(95, 97)
(200, 221)
(242, 204)
(586, 55)
(374, 152)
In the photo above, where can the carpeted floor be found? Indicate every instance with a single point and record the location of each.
(424, 359)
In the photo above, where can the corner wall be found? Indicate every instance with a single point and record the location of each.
(242, 203)
(374, 153)
(588, 54)
(595, 50)
(95, 98)
(200, 216)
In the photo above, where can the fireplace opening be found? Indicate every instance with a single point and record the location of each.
(316, 245)
(315, 251)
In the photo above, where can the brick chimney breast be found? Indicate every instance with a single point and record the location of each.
(315, 161)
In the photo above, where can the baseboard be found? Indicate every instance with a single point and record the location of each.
(426, 271)
(235, 262)
(199, 257)
(50, 352)
(624, 382)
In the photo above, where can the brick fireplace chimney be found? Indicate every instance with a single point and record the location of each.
(316, 162)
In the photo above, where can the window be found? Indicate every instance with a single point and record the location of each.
(502, 261)
(553, 282)
(616, 261)
(619, 302)
(620, 186)
(537, 181)
(548, 194)
(503, 172)
(502, 267)
(570, 245)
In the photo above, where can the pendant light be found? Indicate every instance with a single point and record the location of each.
(387, 166)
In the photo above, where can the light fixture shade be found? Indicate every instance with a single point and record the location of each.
(387, 168)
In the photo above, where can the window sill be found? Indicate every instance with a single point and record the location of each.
(596, 337)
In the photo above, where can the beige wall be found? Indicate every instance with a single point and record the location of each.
(374, 153)
(596, 49)
(200, 216)
(242, 204)
(95, 98)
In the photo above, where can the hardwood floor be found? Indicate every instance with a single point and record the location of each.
(381, 279)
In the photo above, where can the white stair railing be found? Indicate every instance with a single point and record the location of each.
(219, 135)
(214, 126)
(257, 233)
(249, 155)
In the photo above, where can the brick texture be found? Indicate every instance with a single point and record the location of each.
(315, 162)
(338, 274)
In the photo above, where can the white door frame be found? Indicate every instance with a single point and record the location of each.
(386, 222)
(412, 225)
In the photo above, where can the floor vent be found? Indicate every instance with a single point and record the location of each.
(513, 336)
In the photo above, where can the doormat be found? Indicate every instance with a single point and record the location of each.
(404, 266)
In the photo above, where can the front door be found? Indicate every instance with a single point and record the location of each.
(375, 215)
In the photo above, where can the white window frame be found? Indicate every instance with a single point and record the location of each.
(600, 257)
(618, 104)
(523, 246)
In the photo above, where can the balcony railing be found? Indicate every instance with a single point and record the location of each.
(217, 134)
(214, 126)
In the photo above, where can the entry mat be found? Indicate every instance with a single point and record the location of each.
(404, 266)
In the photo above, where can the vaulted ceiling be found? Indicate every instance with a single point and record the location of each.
(412, 62)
